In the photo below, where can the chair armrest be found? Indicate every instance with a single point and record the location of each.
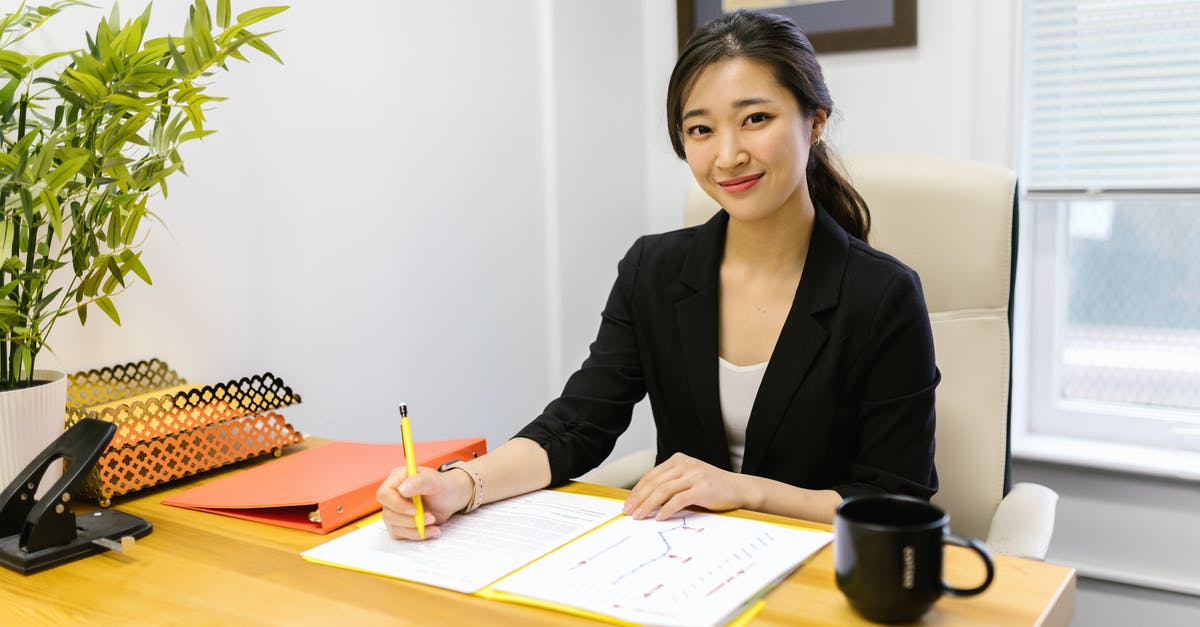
(1024, 521)
(623, 472)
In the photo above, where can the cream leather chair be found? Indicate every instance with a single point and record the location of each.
(951, 221)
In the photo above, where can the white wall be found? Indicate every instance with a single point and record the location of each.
(950, 96)
(426, 203)
(599, 168)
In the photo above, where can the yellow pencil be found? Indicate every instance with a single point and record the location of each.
(411, 461)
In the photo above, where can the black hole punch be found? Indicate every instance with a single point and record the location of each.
(36, 534)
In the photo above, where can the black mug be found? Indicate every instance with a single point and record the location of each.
(887, 552)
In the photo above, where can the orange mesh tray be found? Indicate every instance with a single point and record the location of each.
(168, 429)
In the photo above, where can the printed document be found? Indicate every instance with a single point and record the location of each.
(695, 569)
(474, 550)
(579, 554)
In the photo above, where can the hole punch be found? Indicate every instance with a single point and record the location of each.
(36, 534)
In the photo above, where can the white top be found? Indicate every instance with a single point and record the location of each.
(738, 387)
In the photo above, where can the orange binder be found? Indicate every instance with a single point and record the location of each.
(318, 489)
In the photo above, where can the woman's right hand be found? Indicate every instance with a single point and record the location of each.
(443, 494)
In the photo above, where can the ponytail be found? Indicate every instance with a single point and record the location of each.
(831, 192)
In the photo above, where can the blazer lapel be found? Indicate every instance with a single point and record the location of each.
(801, 339)
(696, 316)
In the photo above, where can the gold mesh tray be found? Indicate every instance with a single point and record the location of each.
(168, 429)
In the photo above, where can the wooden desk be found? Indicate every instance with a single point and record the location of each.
(198, 568)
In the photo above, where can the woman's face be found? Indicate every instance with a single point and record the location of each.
(746, 139)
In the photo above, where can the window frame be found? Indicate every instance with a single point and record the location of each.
(1051, 414)
(1046, 427)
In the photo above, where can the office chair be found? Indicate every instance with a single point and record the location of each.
(953, 222)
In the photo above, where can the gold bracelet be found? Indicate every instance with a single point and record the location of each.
(476, 484)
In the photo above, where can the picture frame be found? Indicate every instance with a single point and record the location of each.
(831, 25)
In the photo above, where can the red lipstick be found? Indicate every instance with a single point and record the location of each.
(740, 184)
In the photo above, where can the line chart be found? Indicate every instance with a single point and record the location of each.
(648, 571)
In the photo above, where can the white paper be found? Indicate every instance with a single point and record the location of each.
(698, 569)
(474, 549)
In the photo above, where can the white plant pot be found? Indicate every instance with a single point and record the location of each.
(30, 419)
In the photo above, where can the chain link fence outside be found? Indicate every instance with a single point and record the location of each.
(1132, 294)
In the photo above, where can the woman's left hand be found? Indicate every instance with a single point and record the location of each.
(682, 481)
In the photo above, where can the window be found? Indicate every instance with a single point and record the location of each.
(1111, 180)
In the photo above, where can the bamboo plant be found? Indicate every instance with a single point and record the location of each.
(87, 138)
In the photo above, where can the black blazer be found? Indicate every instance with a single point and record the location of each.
(846, 402)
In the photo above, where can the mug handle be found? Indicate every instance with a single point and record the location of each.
(978, 547)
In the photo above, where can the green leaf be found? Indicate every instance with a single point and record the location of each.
(113, 268)
(46, 301)
(201, 14)
(181, 66)
(91, 284)
(159, 45)
(131, 225)
(258, 44)
(21, 148)
(46, 58)
(223, 13)
(148, 57)
(53, 210)
(137, 30)
(195, 135)
(90, 63)
(45, 160)
(119, 130)
(133, 262)
(27, 204)
(104, 38)
(113, 236)
(110, 284)
(115, 161)
(66, 153)
(82, 311)
(202, 30)
(126, 101)
(8, 289)
(106, 305)
(185, 92)
(201, 23)
(257, 15)
(71, 97)
(88, 86)
(22, 361)
(15, 63)
(195, 116)
(6, 92)
(12, 265)
(64, 172)
(151, 74)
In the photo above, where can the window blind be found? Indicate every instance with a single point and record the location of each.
(1113, 96)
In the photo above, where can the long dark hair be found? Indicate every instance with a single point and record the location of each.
(776, 41)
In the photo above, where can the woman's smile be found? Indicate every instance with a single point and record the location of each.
(740, 184)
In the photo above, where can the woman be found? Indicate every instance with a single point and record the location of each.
(788, 364)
